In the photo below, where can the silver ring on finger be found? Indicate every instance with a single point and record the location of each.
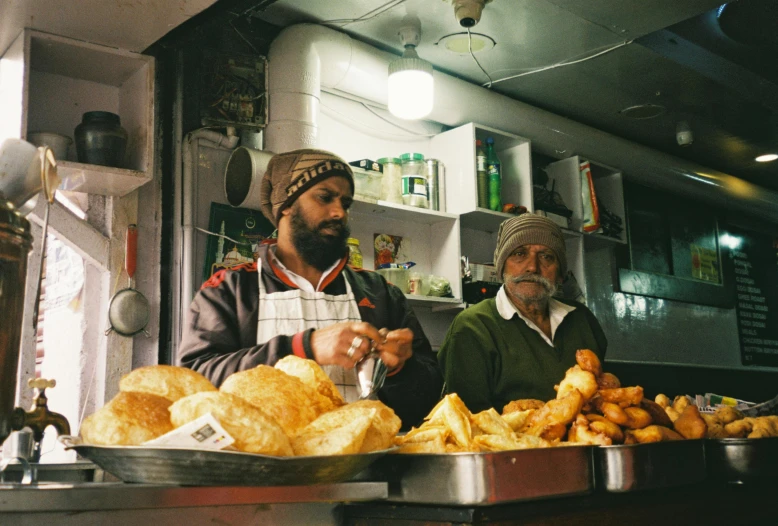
(355, 343)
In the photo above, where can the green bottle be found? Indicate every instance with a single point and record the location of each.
(482, 175)
(493, 169)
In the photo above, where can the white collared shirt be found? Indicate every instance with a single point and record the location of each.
(301, 282)
(556, 311)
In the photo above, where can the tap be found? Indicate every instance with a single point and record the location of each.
(38, 418)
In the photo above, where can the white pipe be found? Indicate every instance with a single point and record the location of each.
(305, 58)
(211, 139)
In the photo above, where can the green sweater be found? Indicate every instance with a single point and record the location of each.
(489, 361)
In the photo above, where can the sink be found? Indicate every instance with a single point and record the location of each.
(70, 473)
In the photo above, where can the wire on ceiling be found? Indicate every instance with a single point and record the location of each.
(559, 64)
(367, 16)
(408, 134)
(470, 49)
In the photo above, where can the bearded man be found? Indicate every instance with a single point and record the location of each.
(520, 343)
(301, 298)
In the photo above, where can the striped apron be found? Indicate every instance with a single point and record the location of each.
(291, 311)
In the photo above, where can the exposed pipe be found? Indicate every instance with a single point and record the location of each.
(306, 58)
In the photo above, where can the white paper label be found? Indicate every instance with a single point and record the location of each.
(202, 433)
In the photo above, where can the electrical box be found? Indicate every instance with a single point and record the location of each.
(233, 90)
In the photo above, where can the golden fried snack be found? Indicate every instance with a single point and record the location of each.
(608, 381)
(507, 443)
(623, 396)
(588, 361)
(638, 418)
(739, 428)
(629, 438)
(726, 414)
(553, 432)
(383, 428)
(436, 445)
(690, 424)
(672, 414)
(600, 424)
(576, 379)
(454, 414)
(658, 414)
(654, 433)
(662, 400)
(312, 375)
(333, 433)
(129, 419)
(253, 430)
(424, 434)
(522, 405)
(764, 426)
(559, 411)
(679, 403)
(283, 397)
(517, 419)
(491, 423)
(714, 426)
(582, 434)
(167, 381)
(613, 412)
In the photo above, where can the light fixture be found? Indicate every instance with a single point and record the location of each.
(460, 44)
(410, 77)
(766, 158)
(683, 134)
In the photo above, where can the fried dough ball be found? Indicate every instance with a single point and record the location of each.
(638, 418)
(680, 403)
(623, 396)
(672, 413)
(662, 400)
(727, 414)
(581, 433)
(166, 381)
(602, 425)
(690, 424)
(559, 411)
(522, 405)
(611, 411)
(588, 361)
(576, 379)
(608, 381)
(714, 425)
(658, 414)
(129, 419)
(654, 434)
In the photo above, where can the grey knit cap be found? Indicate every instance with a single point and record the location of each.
(529, 229)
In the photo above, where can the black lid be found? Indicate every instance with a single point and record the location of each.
(106, 116)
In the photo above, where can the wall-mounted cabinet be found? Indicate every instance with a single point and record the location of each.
(55, 80)
(456, 148)
(608, 189)
(430, 238)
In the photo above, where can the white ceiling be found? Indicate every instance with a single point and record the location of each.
(131, 25)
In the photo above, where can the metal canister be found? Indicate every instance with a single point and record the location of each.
(432, 170)
(15, 245)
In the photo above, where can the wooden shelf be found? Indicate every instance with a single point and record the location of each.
(101, 180)
(387, 210)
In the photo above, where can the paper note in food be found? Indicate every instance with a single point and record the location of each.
(202, 433)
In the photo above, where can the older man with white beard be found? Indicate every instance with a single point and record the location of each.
(520, 343)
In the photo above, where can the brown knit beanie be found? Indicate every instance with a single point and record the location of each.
(290, 174)
(529, 229)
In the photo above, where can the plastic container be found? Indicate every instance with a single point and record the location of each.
(58, 144)
(399, 277)
(367, 184)
(354, 253)
(414, 180)
(391, 185)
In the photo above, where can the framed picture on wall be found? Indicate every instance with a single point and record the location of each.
(238, 233)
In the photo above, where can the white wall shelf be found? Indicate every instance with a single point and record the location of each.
(387, 210)
(58, 79)
(436, 303)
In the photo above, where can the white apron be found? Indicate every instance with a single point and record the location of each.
(292, 311)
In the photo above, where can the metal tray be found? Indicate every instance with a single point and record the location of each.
(486, 478)
(742, 459)
(637, 467)
(196, 467)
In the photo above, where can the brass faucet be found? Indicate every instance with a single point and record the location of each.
(38, 418)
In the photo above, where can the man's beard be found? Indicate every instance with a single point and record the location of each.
(319, 250)
(540, 298)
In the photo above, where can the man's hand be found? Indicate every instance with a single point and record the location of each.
(331, 345)
(395, 347)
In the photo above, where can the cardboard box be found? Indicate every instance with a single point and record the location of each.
(487, 273)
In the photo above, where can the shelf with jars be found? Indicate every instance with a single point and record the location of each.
(55, 81)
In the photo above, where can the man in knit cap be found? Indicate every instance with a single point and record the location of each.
(519, 344)
(301, 298)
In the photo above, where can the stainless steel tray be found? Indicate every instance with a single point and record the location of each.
(742, 459)
(646, 466)
(195, 467)
(486, 478)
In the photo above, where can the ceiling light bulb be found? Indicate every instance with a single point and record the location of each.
(766, 158)
(410, 89)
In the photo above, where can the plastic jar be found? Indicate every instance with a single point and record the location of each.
(391, 187)
(354, 254)
(414, 180)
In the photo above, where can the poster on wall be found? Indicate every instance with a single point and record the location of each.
(240, 231)
(755, 258)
